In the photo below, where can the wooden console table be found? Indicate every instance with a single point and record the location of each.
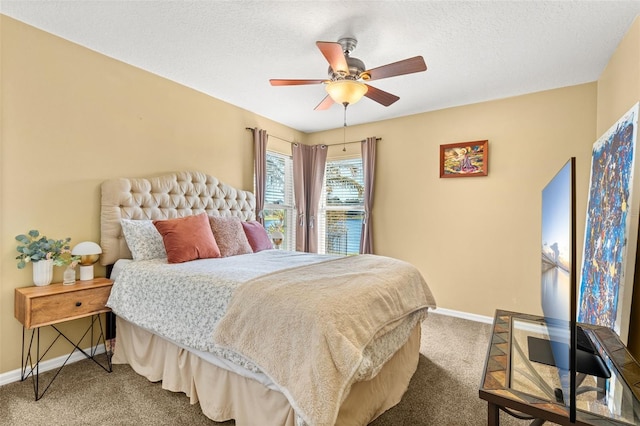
(519, 387)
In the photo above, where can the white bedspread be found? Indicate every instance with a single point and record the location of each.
(185, 302)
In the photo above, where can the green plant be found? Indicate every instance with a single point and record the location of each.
(34, 247)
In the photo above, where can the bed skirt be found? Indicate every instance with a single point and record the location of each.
(224, 395)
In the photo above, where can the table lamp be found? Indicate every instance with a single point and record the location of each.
(89, 253)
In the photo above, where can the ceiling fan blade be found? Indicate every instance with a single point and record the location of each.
(407, 66)
(324, 104)
(281, 82)
(333, 53)
(380, 96)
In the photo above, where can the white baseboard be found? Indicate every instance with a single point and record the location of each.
(463, 315)
(14, 376)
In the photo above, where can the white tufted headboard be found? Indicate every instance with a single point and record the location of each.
(163, 197)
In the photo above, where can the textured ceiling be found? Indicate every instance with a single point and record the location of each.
(475, 50)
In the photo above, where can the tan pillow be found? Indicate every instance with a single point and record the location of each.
(228, 232)
(187, 238)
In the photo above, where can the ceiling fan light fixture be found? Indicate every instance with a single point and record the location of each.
(346, 91)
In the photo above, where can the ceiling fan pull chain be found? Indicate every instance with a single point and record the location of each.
(345, 115)
(344, 130)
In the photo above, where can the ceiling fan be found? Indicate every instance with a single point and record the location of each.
(347, 74)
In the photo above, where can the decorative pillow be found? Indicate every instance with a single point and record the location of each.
(257, 236)
(143, 239)
(188, 238)
(229, 235)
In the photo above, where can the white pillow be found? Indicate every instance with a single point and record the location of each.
(143, 239)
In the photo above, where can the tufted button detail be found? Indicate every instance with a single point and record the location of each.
(175, 195)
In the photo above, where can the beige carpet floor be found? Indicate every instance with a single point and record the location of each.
(443, 392)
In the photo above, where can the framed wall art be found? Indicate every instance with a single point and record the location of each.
(464, 159)
(611, 231)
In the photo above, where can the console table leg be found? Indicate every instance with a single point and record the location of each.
(493, 418)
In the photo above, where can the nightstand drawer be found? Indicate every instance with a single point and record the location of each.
(66, 306)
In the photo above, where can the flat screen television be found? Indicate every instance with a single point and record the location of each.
(559, 292)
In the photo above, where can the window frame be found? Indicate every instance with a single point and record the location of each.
(288, 202)
(325, 209)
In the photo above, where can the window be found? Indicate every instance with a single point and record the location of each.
(341, 207)
(279, 210)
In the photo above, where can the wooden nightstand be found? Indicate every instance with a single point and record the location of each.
(37, 307)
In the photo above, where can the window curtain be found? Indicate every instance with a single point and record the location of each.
(308, 175)
(260, 165)
(368, 169)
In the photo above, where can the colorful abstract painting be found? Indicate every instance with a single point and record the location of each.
(608, 261)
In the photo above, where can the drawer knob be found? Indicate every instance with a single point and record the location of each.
(78, 303)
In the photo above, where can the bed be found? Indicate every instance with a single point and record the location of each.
(254, 334)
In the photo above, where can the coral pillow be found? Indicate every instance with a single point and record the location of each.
(229, 235)
(188, 238)
(257, 236)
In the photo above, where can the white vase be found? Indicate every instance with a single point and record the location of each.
(43, 272)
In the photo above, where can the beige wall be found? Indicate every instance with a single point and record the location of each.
(477, 240)
(72, 118)
(619, 84)
(618, 91)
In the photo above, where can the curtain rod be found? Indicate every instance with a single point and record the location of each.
(327, 144)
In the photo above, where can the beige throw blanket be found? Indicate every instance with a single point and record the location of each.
(307, 327)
